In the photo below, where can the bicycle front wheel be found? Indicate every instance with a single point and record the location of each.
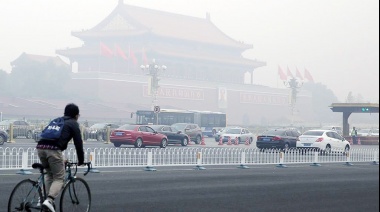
(26, 196)
(76, 196)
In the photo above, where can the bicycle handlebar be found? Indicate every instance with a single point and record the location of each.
(75, 164)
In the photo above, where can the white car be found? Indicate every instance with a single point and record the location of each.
(375, 132)
(323, 140)
(364, 132)
(242, 134)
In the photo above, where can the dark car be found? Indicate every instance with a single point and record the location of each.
(174, 135)
(20, 128)
(3, 137)
(98, 131)
(192, 130)
(278, 139)
(137, 135)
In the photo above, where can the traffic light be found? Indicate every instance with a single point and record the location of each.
(365, 109)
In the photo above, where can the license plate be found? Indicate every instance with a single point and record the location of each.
(266, 139)
(119, 134)
(307, 144)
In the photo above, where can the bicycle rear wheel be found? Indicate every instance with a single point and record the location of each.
(26, 196)
(76, 196)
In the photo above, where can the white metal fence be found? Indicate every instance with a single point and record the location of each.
(21, 158)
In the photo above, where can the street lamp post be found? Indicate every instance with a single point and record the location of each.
(294, 85)
(153, 70)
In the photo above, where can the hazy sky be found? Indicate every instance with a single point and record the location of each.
(336, 40)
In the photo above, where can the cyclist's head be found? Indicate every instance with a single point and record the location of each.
(72, 110)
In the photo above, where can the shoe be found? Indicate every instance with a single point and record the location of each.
(48, 205)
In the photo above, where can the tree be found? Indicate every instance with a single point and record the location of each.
(350, 98)
(322, 98)
(4, 82)
(34, 79)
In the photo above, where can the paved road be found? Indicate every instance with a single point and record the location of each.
(331, 187)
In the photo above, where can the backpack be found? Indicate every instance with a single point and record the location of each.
(53, 130)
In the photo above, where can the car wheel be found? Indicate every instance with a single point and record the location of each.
(346, 150)
(185, 141)
(286, 147)
(198, 139)
(29, 135)
(116, 144)
(327, 150)
(2, 139)
(139, 143)
(99, 137)
(164, 143)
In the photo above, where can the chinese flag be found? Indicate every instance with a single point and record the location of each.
(132, 56)
(298, 74)
(281, 74)
(289, 73)
(121, 53)
(105, 50)
(308, 76)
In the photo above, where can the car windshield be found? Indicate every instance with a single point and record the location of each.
(180, 126)
(314, 133)
(99, 125)
(275, 132)
(155, 127)
(127, 127)
(6, 122)
(233, 131)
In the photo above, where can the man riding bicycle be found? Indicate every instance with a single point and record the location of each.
(51, 157)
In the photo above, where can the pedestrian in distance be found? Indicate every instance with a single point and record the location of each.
(51, 157)
(354, 134)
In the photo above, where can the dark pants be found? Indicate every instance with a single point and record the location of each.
(354, 140)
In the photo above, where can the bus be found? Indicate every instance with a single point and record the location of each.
(210, 122)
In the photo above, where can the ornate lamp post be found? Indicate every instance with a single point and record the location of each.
(294, 85)
(153, 71)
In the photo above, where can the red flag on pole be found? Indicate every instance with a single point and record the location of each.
(105, 50)
(144, 57)
(298, 74)
(121, 53)
(132, 56)
(281, 74)
(308, 76)
(289, 73)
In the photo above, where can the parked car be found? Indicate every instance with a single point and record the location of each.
(375, 132)
(192, 130)
(218, 134)
(3, 136)
(338, 129)
(242, 134)
(20, 128)
(174, 136)
(278, 139)
(98, 131)
(137, 135)
(364, 132)
(325, 141)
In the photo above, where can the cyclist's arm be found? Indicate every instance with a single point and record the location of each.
(78, 142)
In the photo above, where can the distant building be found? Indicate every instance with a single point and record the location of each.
(24, 58)
(205, 68)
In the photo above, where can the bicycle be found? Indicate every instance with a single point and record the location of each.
(28, 195)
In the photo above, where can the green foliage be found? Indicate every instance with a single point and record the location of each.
(322, 98)
(34, 79)
(4, 82)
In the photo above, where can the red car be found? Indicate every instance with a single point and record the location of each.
(137, 135)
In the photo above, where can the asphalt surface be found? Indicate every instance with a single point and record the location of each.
(330, 187)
